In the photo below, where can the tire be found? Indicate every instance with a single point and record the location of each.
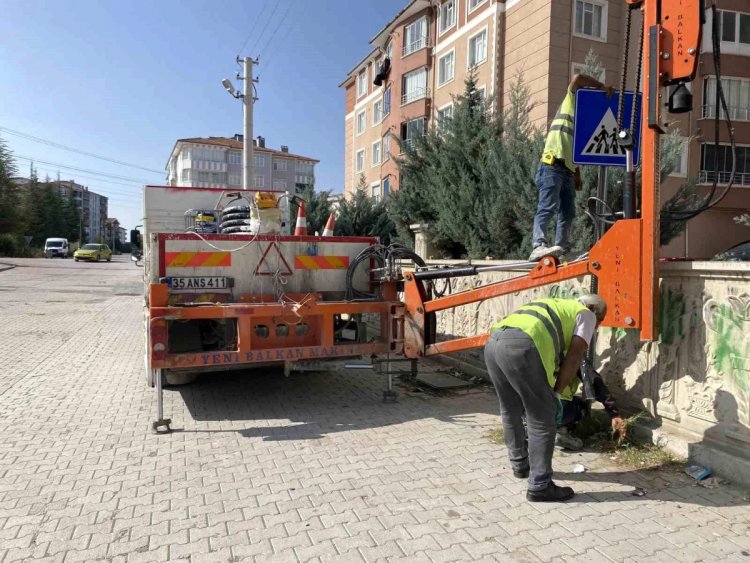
(76, 259)
(109, 259)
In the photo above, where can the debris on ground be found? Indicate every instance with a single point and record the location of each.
(497, 436)
(698, 472)
(712, 482)
(579, 468)
(637, 492)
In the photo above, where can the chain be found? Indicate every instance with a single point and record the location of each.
(633, 117)
(624, 73)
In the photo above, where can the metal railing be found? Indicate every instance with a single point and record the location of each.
(738, 113)
(416, 45)
(414, 94)
(708, 176)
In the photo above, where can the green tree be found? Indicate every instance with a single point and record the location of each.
(10, 218)
(362, 216)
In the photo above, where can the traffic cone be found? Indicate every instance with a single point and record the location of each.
(300, 229)
(328, 231)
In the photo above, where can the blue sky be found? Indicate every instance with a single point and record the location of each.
(126, 79)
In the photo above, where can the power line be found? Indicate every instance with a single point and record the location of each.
(268, 22)
(290, 32)
(252, 29)
(288, 8)
(71, 149)
(57, 165)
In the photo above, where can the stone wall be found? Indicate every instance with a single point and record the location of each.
(694, 381)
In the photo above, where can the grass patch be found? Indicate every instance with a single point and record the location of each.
(497, 436)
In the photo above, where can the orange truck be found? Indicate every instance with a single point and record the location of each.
(226, 290)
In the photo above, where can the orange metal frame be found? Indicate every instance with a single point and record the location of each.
(625, 259)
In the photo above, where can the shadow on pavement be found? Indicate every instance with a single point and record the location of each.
(308, 406)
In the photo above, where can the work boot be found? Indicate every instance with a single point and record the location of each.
(523, 474)
(552, 493)
(543, 250)
(567, 441)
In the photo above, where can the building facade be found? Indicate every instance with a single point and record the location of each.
(421, 58)
(217, 162)
(114, 235)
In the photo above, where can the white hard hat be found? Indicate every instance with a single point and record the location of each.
(595, 304)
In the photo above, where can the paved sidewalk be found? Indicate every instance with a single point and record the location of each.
(308, 468)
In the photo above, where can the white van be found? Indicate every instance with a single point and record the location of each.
(56, 247)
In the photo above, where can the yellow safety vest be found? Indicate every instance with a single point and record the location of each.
(549, 323)
(559, 143)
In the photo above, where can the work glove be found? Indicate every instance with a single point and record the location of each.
(559, 412)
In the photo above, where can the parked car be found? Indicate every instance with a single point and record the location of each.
(738, 253)
(93, 253)
(56, 247)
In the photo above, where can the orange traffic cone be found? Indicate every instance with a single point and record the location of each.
(300, 229)
(328, 231)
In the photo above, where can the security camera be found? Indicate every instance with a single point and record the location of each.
(228, 86)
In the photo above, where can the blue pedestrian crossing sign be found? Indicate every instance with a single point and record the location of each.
(595, 128)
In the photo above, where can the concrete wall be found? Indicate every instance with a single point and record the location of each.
(695, 381)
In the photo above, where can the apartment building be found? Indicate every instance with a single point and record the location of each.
(217, 162)
(421, 58)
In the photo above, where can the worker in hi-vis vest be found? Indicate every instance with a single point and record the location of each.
(557, 178)
(533, 356)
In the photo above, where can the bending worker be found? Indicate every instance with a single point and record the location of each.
(557, 178)
(532, 357)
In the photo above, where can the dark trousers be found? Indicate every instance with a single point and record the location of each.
(521, 384)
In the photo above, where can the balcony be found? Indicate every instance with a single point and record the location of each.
(735, 113)
(416, 45)
(415, 94)
(708, 176)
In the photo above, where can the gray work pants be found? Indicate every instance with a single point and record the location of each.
(521, 383)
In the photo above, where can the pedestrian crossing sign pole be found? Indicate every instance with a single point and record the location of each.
(595, 128)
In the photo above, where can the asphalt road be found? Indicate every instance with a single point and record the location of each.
(260, 467)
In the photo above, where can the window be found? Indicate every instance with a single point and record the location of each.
(279, 184)
(362, 83)
(376, 153)
(736, 93)
(260, 181)
(710, 157)
(185, 176)
(235, 158)
(478, 49)
(446, 68)
(591, 19)
(444, 114)
(361, 122)
(410, 130)
(375, 192)
(377, 112)
(414, 86)
(359, 164)
(386, 187)
(260, 161)
(389, 49)
(387, 101)
(482, 91)
(680, 167)
(447, 16)
(386, 148)
(280, 164)
(415, 36)
(304, 167)
(235, 179)
(474, 4)
(734, 28)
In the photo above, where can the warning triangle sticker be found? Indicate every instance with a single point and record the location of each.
(273, 262)
(603, 140)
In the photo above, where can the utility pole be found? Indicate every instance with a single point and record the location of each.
(248, 164)
(248, 99)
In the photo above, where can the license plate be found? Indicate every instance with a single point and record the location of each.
(197, 283)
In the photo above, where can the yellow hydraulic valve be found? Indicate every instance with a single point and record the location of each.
(265, 200)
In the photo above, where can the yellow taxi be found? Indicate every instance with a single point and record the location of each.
(93, 253)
